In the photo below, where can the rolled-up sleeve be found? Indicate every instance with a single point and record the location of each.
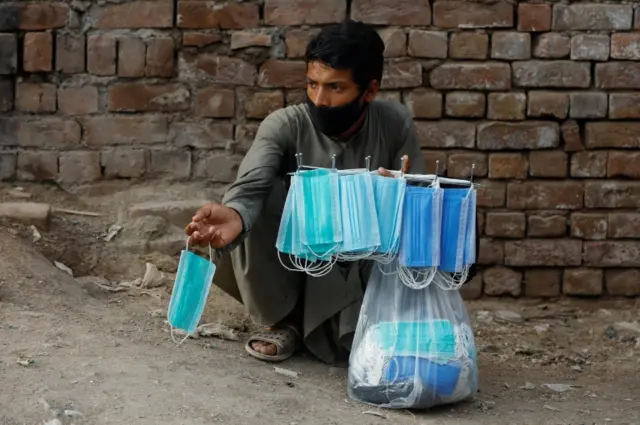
(258, 169)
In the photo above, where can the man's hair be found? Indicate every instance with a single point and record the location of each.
(350, 45)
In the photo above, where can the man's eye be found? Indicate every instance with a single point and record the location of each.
(312, 85)
(336, 88)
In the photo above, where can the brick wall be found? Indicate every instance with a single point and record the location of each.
(541, 96)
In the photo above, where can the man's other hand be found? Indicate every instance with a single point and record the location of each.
(384, 172)
(214, 225)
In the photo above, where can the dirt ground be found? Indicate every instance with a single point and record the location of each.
(85, 354)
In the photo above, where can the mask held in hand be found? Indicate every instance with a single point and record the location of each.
(190, 291)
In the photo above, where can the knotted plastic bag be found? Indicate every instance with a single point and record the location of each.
(190, 291)
(413, 348)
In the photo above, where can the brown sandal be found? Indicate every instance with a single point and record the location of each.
(286, 339)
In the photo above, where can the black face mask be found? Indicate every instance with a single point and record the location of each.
(335, 120)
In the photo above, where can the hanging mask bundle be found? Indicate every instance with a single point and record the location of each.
(190, 292)
(360, 227)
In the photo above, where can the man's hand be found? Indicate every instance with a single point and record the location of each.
(214, 225)
(384, 172)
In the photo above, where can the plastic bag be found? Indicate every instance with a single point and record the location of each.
(413, 348)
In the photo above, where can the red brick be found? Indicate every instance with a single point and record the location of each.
(32, 97)
(125, 130)
(295, 97)
(534, 17)
(6, 95)
(623, 164)
(50, 133)
(160, 57)
(43, 16)
(262, 103)
(490, 252)
(612, 135)
(508, 166)
(78, 100)
(612, 194)
(472, 290)
(101, 55)
(543, 253)
(472, 76)
(522, 135)
(542, 283)
(236, 16)
(123, 163)
(8, 53)
(507, 106)
(70, 53)
(305, 12)
(392, 12)
(540, 195)
(625, 46)
(502, 281)
(223, 70)
(136, 14)
(424, 103)
(618, 75)
(468, 45)
(200, 39)
(203, 134)
(589, 164)
(505, 225)
(548, 104)
(552, 46)
(591, 17)
(625, 282)
(463, 14)
(428, 44)
(244, 39)
(465, 104)
(624, 225)
(402, 75)
(548, 164)
(217, 167)
(582, 281)
(245, 134)
(589, 226)
(612, 253)
(571, 136)
(588, 105)
(491, 194)
(624, 105)
(545, 226)
(446, 134)
(37, 165)
(173, 164)
(435, 160)
(8, 164)
(134, 97)
(132, 52)
(395, 42)
(510, 45)
(197, 15)
(389, 95)
(38, 52)
(80, 167)
(459, 165)
(216, 103)
(555, 74)
(286, 74)
(296, 41)
(590, 47)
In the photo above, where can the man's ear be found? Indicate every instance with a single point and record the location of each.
(372, 91)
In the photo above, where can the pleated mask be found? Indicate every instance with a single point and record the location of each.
(455, 220)
(389, 199)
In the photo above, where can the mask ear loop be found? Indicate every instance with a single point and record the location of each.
(211, 261)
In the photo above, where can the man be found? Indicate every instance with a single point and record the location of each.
(344, 70)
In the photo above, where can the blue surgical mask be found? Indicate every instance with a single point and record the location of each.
(470, 248)
(389, 199)
(455, 222)
(190, 291)
(360, 229)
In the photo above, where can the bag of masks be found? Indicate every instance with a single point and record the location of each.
(413, 348)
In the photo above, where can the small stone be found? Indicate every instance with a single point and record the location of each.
(528, 386)
(627, 326)
(540, 329)
(559, 388)
(553, 409)
(62, 267)
(508, 316)
(26, 212)
(154, 278)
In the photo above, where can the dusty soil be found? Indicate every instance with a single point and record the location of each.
(68, 346)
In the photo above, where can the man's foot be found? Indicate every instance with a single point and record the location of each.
(274, 344)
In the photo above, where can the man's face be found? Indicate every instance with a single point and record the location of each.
(330, 87)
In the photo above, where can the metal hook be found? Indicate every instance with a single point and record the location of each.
(333, 161)
(299, 160)
(437, 167)
(473, 169)
(367, 161)
(402, 160)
